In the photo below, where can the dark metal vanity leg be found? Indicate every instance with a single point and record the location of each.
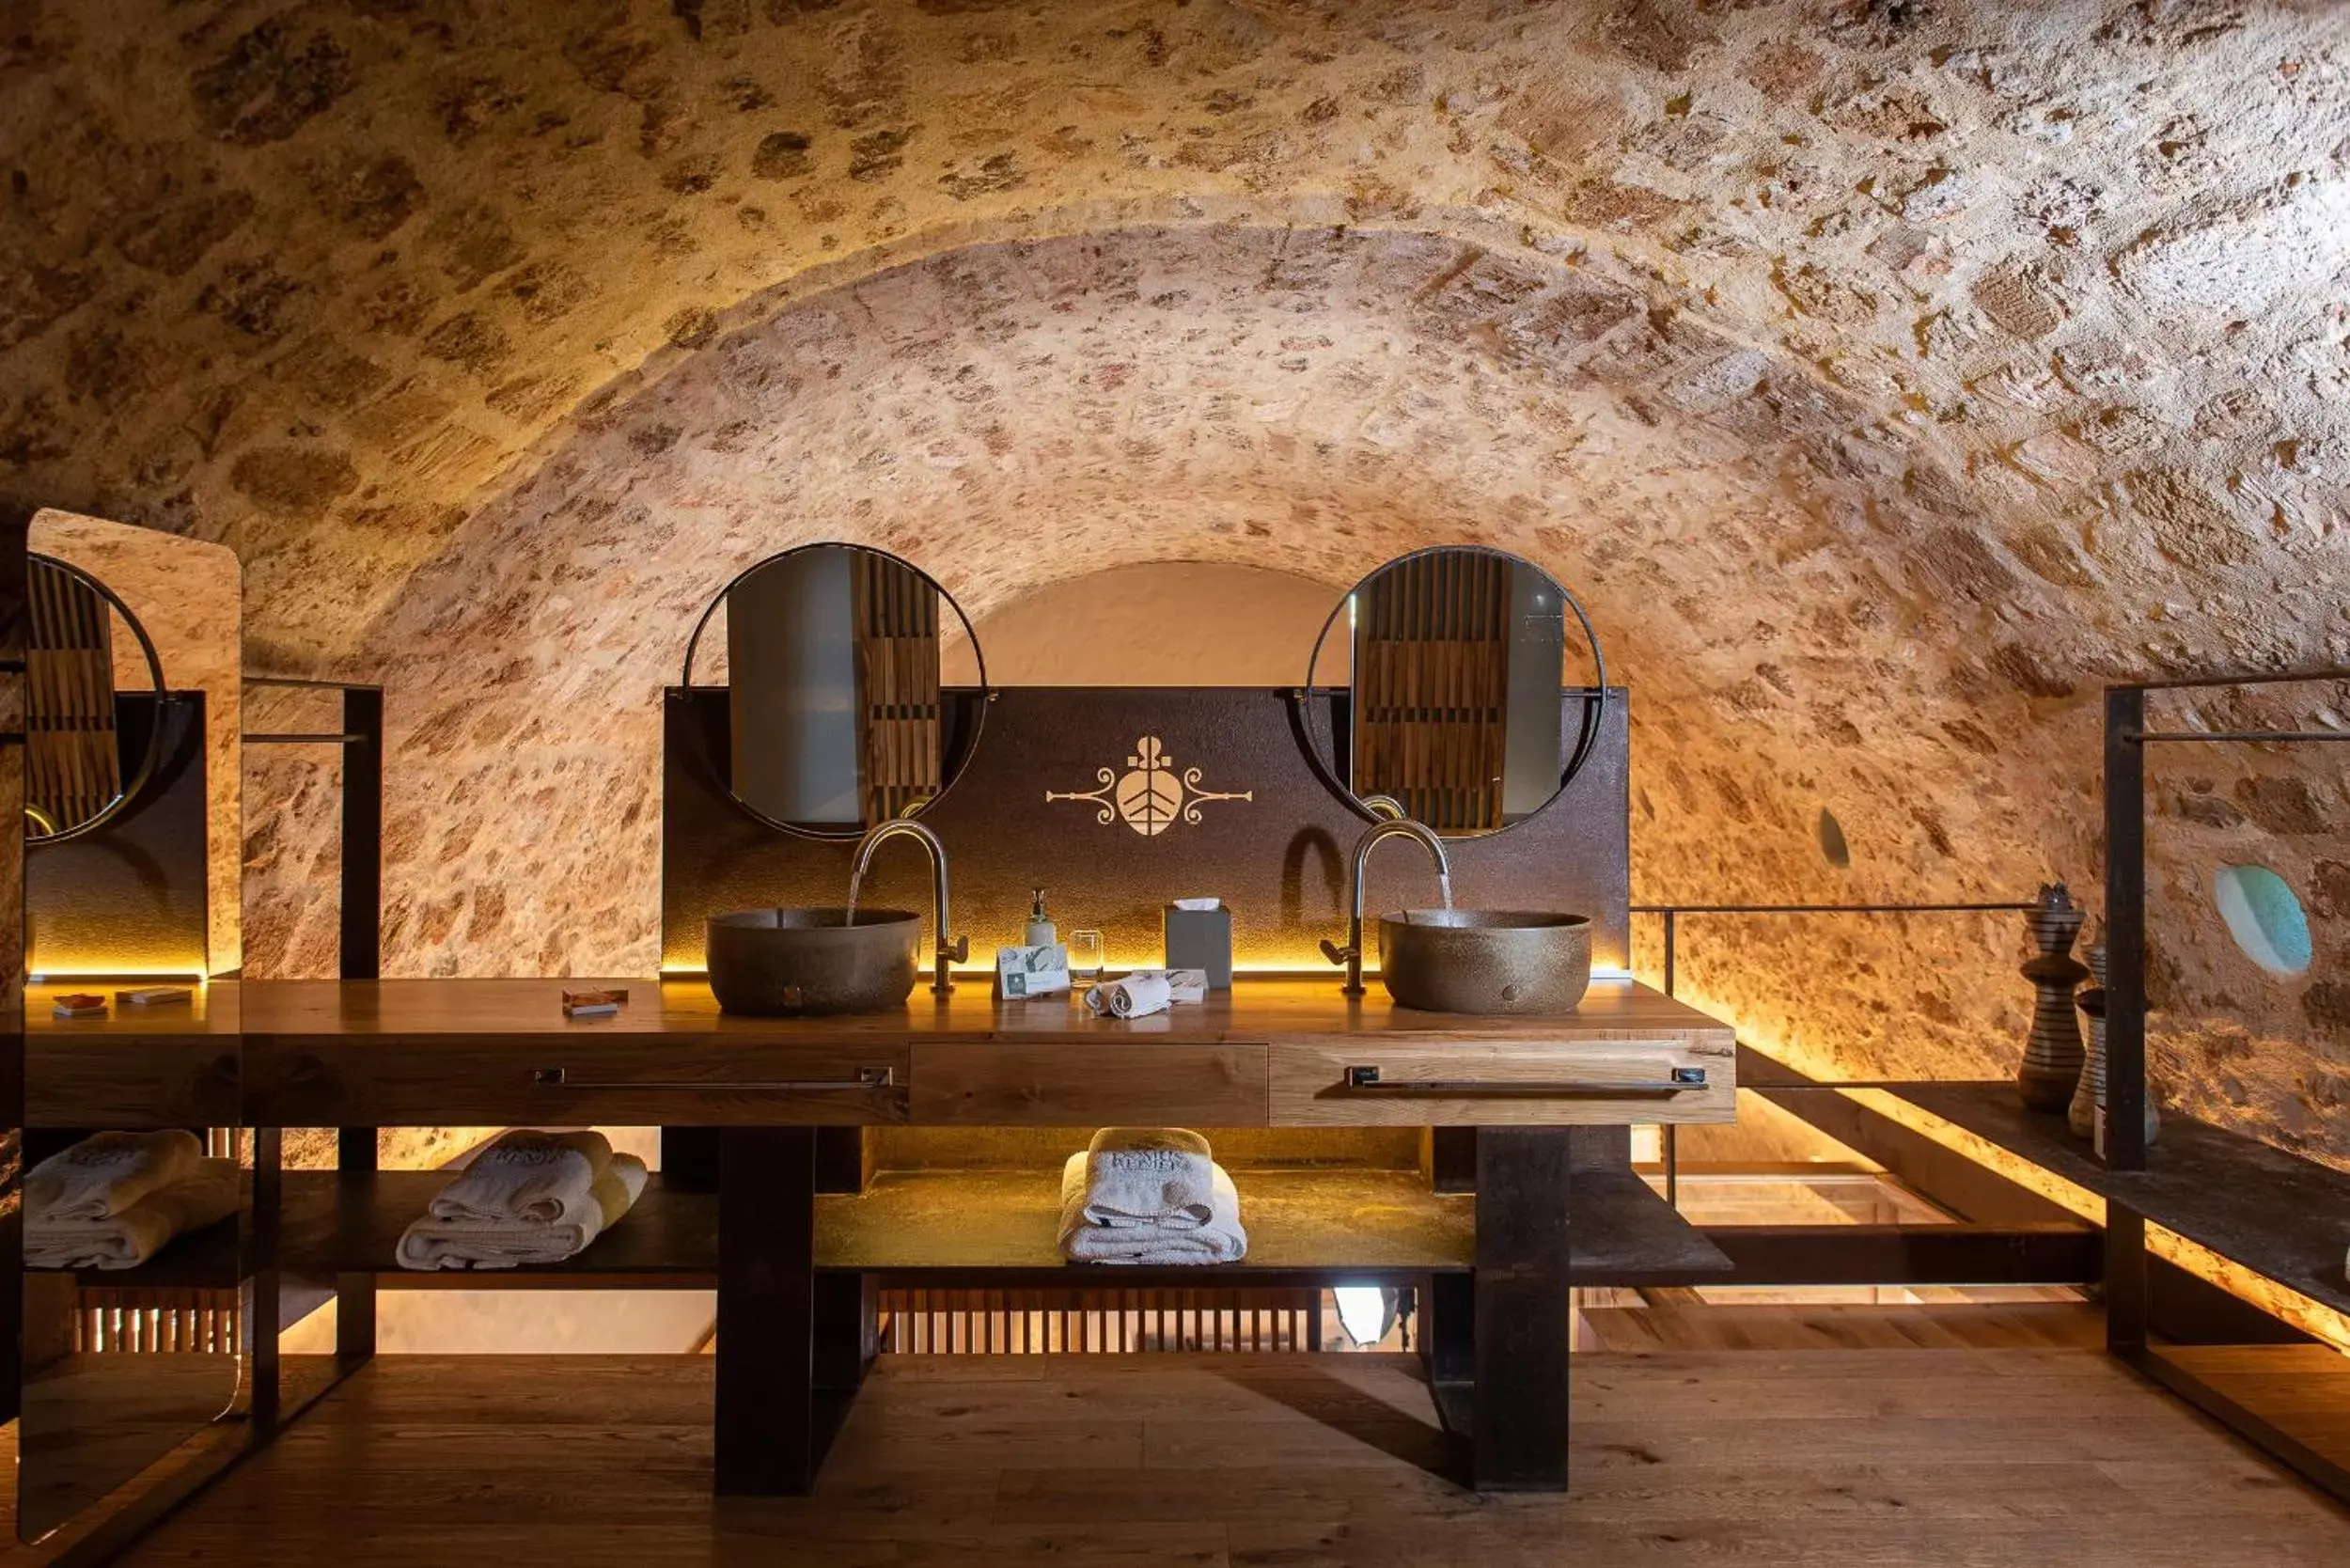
(354, 1294)
(770, 1432)
(261, 1285)
(689, 1159)
(1524, 1316)
(848, 1330)
(1447, 1347)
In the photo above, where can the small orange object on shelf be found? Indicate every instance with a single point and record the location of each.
(593, 1004)
(81, 1004)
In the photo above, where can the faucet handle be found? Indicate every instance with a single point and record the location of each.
(1334, 953)
(959, 949)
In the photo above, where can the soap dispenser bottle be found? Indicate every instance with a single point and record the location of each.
(1041, 932)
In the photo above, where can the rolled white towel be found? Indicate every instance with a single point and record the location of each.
(206, 1195)
(108, 1172)
(526, 1176)
(1221, 1240)
(1149, 1176)
(433, 1242)
(1136, 997)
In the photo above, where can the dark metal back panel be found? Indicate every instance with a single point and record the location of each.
(1117, 800)
(131, 898)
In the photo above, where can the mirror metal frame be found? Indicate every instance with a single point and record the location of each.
(163, 701)
(693, 645)
(1322, 762)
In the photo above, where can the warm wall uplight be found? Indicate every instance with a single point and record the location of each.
(62, 977)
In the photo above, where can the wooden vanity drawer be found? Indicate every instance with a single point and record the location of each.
(611, 1081)
(989, 1085)
(1595, 1082)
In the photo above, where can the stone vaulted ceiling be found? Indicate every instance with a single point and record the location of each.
(1886, 373)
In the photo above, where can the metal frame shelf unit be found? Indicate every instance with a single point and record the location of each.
(2263, 1209)
(359, 917)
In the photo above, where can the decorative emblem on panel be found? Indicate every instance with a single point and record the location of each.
(1149, 795)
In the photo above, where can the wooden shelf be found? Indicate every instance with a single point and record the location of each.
(209, 1259)
(1623, 1233)
(668, 1238)
(1304, 1227)
(2283, 1217)
(212, 1258)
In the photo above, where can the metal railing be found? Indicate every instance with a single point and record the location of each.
(360, 918)
(1672, 914)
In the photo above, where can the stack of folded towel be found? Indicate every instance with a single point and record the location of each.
(526, 1197)
(1148, 1194)
(115, 1199)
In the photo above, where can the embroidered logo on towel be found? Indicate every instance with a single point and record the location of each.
(1150, 795)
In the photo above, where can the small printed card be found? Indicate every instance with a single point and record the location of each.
(1038, 971)
(156, 995)
(81, 1004)
(593, 1004)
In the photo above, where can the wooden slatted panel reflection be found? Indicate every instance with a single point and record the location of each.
(1099, 1322)
(73, 760)
(152, 1322)
(897, 676)
(1430, 688)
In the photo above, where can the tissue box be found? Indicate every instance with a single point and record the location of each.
(1201, 939)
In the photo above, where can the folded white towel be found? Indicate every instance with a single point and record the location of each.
(1221, 1240)
(1149, 1176)
(206, 1195)
(526, 1176)
(107, 1172)
(434, 1242)
(1136, 997)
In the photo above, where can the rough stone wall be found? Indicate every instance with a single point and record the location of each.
(1887, 373)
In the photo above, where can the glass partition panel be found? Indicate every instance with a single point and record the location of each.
(131, 1180)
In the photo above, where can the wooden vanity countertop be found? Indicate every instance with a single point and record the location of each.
(686, 1012)
(1269, 1051)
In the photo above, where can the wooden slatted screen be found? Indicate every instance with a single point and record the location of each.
(1430, 688)
(1103, 1322)
(155, 1322)
(896, 678)
(72, 759)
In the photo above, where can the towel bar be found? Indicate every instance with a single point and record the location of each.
(1366, 1081)
(867, 1077)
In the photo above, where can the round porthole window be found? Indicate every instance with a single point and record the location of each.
(2264, 917)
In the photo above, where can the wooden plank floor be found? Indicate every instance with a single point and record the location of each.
(1910, 1456)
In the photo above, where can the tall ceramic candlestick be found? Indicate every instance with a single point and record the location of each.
(2088, 1099)
(2053, 1056)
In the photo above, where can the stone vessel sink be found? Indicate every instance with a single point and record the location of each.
(781, 961)
(1486, 960)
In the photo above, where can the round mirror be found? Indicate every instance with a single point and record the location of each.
(854, 688)
(1446, 688)
(93, 703)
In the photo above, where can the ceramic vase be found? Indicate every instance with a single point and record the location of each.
(2089, 1099)
(2054, 1055)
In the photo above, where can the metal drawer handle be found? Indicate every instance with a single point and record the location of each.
(867, 1077)
(1367, 1080)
